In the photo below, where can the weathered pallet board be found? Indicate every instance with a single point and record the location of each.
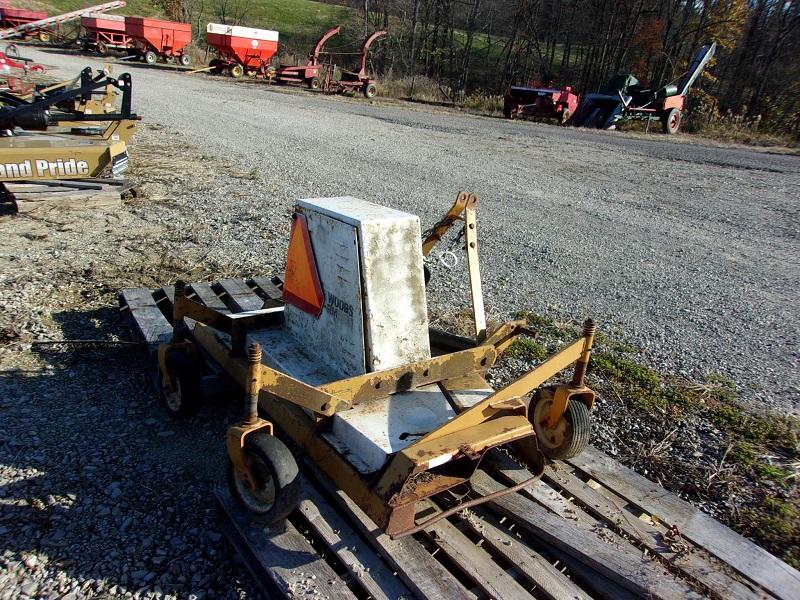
(589, 529)
(41, 196)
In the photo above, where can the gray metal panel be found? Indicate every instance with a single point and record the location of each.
(337, 336)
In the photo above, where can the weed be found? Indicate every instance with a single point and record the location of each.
(528, 349)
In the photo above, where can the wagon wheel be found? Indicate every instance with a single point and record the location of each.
(169, 59)
(185, 60)
(314, 83)
(44, 36)
(275, 475)
(236, 70)
(185, 396)
(565, 115)
(567, 438)
(370, 91)
(102, 49)
(671, 121)
(150, 57)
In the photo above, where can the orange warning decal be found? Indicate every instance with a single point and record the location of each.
(301, 286)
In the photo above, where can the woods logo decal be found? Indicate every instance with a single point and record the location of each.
(44, 168)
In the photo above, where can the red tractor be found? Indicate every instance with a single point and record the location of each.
(534, 101)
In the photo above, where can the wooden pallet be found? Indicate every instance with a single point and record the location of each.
(42, 196)
(591, 528)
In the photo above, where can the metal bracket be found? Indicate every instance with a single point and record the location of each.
(164, 348)
(235, 445)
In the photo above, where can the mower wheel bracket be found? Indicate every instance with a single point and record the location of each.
(235, 438)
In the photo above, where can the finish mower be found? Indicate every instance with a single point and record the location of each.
(345, 365)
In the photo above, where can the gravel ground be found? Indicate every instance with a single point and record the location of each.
(689, 251)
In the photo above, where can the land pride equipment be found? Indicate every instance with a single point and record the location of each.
(242, 50)
(539, 101)
(308, 73)
(44, 27)
(346, 365)
(623, 99)
(66, 134)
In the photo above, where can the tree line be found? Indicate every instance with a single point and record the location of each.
(485, 45)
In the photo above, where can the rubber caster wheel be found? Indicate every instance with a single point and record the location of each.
(570, 436)
(276, 477)
(185, 398)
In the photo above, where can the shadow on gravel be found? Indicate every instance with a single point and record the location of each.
(97, 482)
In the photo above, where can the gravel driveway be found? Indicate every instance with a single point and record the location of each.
(690, 251)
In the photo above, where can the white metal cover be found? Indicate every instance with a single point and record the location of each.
(337, 336)
(266, 35)
(375, 429)
(392, 305)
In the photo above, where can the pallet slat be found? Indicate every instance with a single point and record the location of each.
(479, 566)
(748, 559)
(280, 558)
(422, 573)
(148, 320)
(367, 569)
(206, 295)
(239, 295)
(271, 290)
(652, 536)
(547, 579)
(646, 578)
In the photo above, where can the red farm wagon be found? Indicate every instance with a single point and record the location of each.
(153, 38)
(104, 33)
(242, 49)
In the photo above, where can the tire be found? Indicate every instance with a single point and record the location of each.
(276, 477)
(44, 36)
(150, 57)
(370, 91)
(236, 70)
(570, 436)
(169, 59)
(565, 115)
(671, 121)
(185, 60)
(187, 397)
(102, 49)
(314, 83)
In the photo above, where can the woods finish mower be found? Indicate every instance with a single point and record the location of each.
(346, 366)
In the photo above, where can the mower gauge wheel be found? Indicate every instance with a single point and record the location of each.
(276, 478)
(570, 436)
(185, 397)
